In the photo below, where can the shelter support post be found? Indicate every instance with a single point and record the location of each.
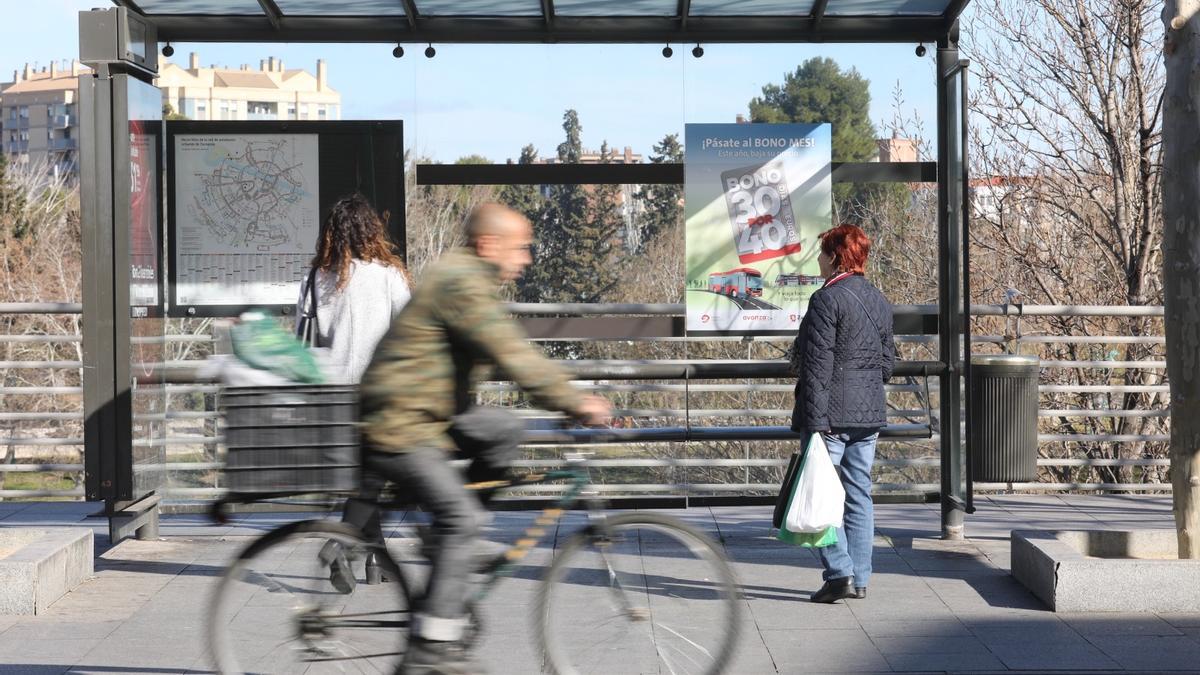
(105, 313)
(951, 189)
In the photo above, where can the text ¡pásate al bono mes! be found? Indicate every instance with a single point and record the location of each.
(759, 143)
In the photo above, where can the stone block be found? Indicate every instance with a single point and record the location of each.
(1106, 571)
(39, 565)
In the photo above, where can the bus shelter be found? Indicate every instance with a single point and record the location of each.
(122, 131)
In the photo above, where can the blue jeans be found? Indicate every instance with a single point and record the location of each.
(853, 453)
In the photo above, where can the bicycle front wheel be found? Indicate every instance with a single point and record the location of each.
(639, 593)
(281, 609)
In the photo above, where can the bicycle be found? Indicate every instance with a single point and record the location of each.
(662, 585)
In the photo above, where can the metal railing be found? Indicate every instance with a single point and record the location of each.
(664, 425)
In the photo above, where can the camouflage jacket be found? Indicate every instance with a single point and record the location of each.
(425, 367)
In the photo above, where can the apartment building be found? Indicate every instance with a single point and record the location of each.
(39, 114)
(271, 92)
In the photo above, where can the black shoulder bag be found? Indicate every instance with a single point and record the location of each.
(308, 328)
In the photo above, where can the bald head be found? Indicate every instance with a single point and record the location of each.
(501, 235)
(491, 218)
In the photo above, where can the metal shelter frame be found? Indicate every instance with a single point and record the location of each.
(536, 22)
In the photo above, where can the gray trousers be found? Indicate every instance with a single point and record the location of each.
(489, 438)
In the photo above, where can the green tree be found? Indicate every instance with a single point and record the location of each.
(574, 256)
(820, 91)
(527, 199)
(169, 113)
(546, 280)
(14, 219)
(596, 244)
(473, 159)
(662, 204)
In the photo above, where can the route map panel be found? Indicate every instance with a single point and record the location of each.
(247, 216)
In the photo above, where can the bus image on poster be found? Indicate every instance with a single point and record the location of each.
(756, 197)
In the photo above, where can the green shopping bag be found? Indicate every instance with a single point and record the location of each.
(815, 500)
(828, 537)
(262, 343)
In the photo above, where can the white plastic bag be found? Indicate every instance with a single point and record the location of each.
(818, 499)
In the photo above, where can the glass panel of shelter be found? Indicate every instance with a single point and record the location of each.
(886, 7)
(341, 8)
(231, 7)
(751, 8)
(479, 7)
(148, 397)
(608, 8)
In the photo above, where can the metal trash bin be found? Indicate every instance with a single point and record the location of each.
(1002, 443)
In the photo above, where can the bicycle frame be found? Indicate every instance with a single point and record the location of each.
(507, 561)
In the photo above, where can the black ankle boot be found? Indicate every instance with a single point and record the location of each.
(834, 590)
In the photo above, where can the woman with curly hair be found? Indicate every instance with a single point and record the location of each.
(360, 286)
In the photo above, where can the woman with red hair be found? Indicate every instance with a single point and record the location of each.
(843, 355)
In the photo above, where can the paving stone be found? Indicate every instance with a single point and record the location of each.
(752, 656)
(1180, 620)
(1108, 625)
(806, 651)
(887, 628)
(874, 608)
(1192, 632)
(28, 654)
(801, 614)
(940, 662)
(889, 646)
(1052, 656)
(33, 669)
(51, 628)
(1143, 652)
(958, 612)
(993, 630)
(118, 658)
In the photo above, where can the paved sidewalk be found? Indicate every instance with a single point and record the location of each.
(933, 607)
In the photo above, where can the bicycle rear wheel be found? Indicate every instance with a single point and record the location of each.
(276, 610)
(639, 593)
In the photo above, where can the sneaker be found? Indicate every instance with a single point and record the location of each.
(341, 575)
(433, 657)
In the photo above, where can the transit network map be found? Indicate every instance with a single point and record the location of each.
(246, 215)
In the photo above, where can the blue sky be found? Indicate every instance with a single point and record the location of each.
(493, 99)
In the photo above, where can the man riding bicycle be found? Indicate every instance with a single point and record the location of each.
(418, 414)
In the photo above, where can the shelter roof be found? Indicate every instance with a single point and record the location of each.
(549, 21)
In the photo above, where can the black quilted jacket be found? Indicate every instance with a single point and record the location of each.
(843, 354)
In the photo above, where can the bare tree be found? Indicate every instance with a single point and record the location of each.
(435, 214)
(1181, 248)
(1071, 95)
(39, 262)
(1068, 138)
